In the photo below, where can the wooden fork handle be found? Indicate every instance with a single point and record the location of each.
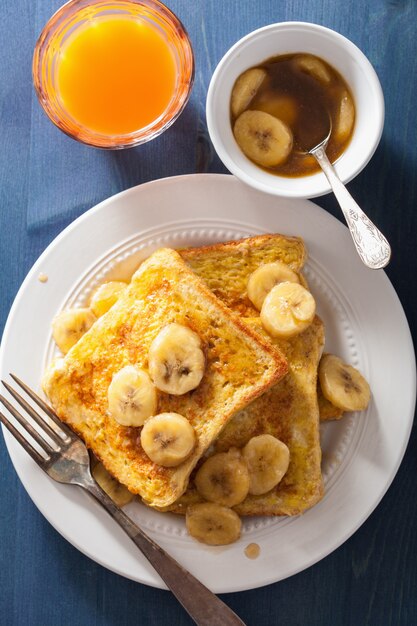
(205, 608)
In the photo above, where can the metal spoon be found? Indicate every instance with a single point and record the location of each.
(371, 245)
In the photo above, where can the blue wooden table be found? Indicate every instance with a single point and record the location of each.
(46, 180)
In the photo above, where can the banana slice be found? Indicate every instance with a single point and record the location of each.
(264, 139)
(131, 396)
(288, 309)
(313, 66)
(115, 490)
(245, 89)
(70, 325)
(105, 296)
(283, 107)
(223, 479)
(267, 459)
(343, 385)
(176, 360)
(168, 439)
(265, 277)
(213, 524)
(345, 118)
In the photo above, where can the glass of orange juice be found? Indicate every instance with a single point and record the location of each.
(113, 74)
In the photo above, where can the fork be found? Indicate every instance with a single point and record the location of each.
(68, 461)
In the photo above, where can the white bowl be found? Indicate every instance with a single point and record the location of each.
(287, 38)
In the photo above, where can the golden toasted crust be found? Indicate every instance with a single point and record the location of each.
(288, 411)
(327, 410)
(226, 267)
(240, 365)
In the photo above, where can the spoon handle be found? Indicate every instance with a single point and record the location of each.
(373, 249)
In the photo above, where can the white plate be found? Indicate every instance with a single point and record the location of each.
(364, 322)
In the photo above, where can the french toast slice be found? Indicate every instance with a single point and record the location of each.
(289, 410)
(240, 365)
(226, 267)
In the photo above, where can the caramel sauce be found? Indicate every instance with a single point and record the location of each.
(304, 102)
(252, 551)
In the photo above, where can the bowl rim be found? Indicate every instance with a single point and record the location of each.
(296, 191)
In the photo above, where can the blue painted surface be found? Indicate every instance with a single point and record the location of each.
(46, 180)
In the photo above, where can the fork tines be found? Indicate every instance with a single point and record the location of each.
(46, 433)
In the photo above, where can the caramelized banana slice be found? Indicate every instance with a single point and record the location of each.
(213, 524)
(342, 384)
(345, 118)
(267, 276)
(132, 397)
(288, 309)
(223, 479)
(263, 138)
(176, 360)
(311, 65)
(245, 89)
(267, 459)
(70, 325)
(281, 106)
(168, 439)
(115, 490)
(105, 296)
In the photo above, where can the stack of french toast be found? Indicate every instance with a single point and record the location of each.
(200, 384)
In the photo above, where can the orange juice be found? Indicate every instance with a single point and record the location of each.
(115, 75)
